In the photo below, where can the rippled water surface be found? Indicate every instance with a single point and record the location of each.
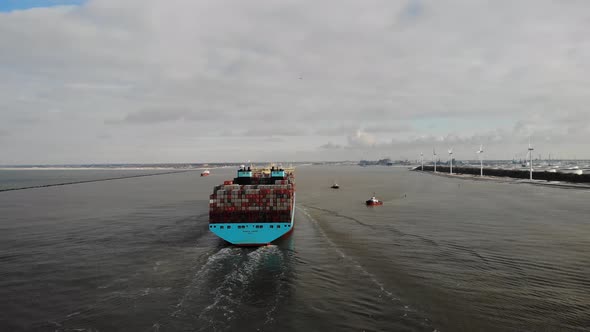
(441, 254)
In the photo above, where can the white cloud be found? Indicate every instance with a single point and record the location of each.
(361, 139)
(176, 76)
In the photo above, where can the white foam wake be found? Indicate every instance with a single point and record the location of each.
(206, 268)
(231, 290)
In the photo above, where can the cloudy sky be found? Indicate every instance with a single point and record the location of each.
(107, 81)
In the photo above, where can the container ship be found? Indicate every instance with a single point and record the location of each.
(256, 208)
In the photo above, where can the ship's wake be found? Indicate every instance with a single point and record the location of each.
(212, 262)
(381, 287)
(353, 262)
(232, 286)
(444, 247)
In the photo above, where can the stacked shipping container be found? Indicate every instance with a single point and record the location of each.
(258, 202)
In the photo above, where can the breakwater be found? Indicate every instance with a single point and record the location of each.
(93, 180)
(512, 173)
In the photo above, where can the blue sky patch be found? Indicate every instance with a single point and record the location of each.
(11, 5)
(413, 8)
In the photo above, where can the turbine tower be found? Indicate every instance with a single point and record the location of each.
(531, 158)
(451, 159)
(434, 158)
(422, 160)
(480, 152)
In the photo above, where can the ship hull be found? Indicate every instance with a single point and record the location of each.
(252, 233)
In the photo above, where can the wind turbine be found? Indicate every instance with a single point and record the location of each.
(531, 158)
(451, 159)
(480, 152)
(434, 158)
(422, 160)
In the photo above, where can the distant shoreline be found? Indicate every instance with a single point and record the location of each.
(505, 179)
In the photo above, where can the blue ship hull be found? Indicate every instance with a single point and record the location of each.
(253, 234)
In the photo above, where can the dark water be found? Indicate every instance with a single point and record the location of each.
(441, 254)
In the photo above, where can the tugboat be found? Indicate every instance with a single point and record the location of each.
(373, 201)
(205, 173)
(335, 186)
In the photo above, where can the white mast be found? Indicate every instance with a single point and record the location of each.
(480, 152)
(422, 160)
(434, 158)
